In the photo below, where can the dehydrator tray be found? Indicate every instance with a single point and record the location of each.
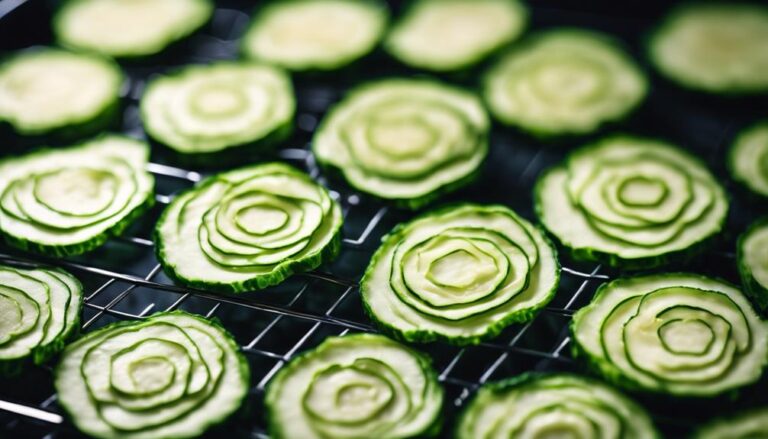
(123, 279)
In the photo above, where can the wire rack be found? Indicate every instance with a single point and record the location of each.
(123, 280)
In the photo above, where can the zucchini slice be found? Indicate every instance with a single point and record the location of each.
(753, 263)
(248, 228)
(128, 28)
(315, 35)
(716, 47)
(356, 386)
(631, 202)
(678, 334)
(460, 274)
(404, 140)
(39, 312)
(748, 158)
(204, 109)
(171, 375)
(752, 424)
(69, 201)
(553, 405)
(450, 35)
(564, 82)
(49, 91)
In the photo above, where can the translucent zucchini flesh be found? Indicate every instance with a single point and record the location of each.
(39, 312)
(553, 405)
(448, 35)
(315, 34)
(564, 82)
(751, 424)
(356, 386)
(170, 375)
(631, 202)
(209, 108)
(460, 274)
(52, 91)
(679, 334)
(753, 263)
(128, 28)
(405, 140)
(248, 228)
(69, 201)
(714, 47)
(748, 158)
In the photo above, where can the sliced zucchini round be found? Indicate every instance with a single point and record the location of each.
(717, 47)
(679, 334)
(564, 82)
(450, 35)
(460, 274)
(248, 229)
(748, 158)
(49, 91)
(171, 375)
(553, 405)
(753, 263)
(407, 141)
(319, 35)
(356, 386)
(631, 202)
(39, 312)
(69, 201)
(752, 424)
(128, 28)
(205, 109)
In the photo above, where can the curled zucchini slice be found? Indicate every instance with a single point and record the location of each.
(171, 375)
(405, 140)
(39, 312)
(54, 92)
(678, 334)
(753, 263)
(128, 28)
(460, 274)
(748, 425)
(553, 405)
(631, 202)
(449, 35)
(69, 201)
(748, 158)
(356, 386)
(248, 228)
(318, 35)
(717, 47)
(206, 109)
(564, 82)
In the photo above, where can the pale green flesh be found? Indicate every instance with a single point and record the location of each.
(354, 386)
(748, 160)
(152, 378)
(755, 254)
(322, 35)
(620, 329)
(749, 425)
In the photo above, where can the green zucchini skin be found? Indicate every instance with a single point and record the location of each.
(534, 382)
(750, 148)
(755, 291)
(744, 425)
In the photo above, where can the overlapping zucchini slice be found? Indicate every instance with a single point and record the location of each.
(248, 228)
(128, 28)
(47, 91)
(201, 110)
(717, 47)
(631, 202)
(678, 334)
(450, 35)
(751, 424)
(564, 82)
(460, 274)
(356, 386)
(171, 375)
(405, 140)
(753, 263)
(748, 158)
(39, 312)
(553, 405)
(315, 35)
(71, 200)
